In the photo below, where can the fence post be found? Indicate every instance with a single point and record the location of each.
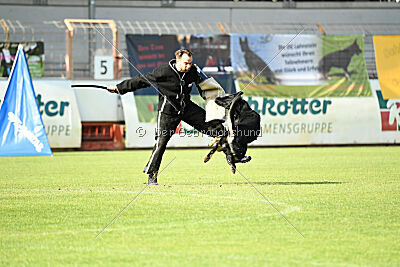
(69, 64)
(321, 29)
(116, 56)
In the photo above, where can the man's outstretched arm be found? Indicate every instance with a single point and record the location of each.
(137, 82)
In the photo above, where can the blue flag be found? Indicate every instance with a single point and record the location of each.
(21, 127)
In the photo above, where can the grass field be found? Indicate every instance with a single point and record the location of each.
(345, 200)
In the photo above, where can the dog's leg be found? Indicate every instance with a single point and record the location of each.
(231, 162)
(325, 74)
(230, 159)
(214, 144)
(209, 155)
(347, 74)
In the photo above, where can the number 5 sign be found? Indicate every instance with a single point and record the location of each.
(103, 68)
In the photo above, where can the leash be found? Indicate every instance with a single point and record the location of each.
(89, 85)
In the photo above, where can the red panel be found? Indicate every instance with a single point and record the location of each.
(385, 122)
(102, 136)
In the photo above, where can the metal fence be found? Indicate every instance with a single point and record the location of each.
(52, 33)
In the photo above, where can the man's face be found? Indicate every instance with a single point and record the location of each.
(184, 63)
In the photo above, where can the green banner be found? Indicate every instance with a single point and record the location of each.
(307, 66)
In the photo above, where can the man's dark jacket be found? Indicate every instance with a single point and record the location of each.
(174, 87)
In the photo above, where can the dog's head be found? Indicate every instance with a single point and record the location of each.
(356, 48)
(244, 45)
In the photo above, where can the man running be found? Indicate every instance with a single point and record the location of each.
(174, 83)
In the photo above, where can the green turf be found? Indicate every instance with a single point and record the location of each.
(345, 200)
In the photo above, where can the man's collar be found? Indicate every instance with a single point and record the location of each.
(172, 64)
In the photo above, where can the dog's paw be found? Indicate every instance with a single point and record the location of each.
(233, 170)
(245, 159)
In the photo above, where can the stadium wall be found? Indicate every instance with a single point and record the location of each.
(209, 11)
(45, 22)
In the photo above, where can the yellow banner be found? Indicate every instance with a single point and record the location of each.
(387, 56)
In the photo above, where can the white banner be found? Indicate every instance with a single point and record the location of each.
(294, 121)
(304, 121)
(143, 134)
(98, 104)
(59, 110)
(311, 121)
(284, 121)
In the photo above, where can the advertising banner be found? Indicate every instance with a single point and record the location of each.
(288, 121)
(141, 124)
(389, 115)
(304, 66)
(59, 112)
(387, 56)
(210, 52)
(34, 52)
(345, 120)
(308, 121)
(147, 52)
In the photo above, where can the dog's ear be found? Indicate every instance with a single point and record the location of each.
(226, 101)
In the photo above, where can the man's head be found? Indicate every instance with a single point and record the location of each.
(183, 60)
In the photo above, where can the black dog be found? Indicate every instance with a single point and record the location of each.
(256, 64)
(244, 128)
(339, 59)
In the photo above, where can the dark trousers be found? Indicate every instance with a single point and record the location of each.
(193, 115)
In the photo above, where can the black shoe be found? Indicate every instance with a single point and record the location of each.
(153, 178)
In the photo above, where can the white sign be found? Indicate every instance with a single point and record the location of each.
(142, 134)
(103, 68)
(59, 111)
(98, 104)
(294, 121)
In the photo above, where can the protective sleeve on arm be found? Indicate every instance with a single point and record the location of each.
(201, 76)
(138, 82)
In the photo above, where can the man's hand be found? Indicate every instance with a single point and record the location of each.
(112, 89)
